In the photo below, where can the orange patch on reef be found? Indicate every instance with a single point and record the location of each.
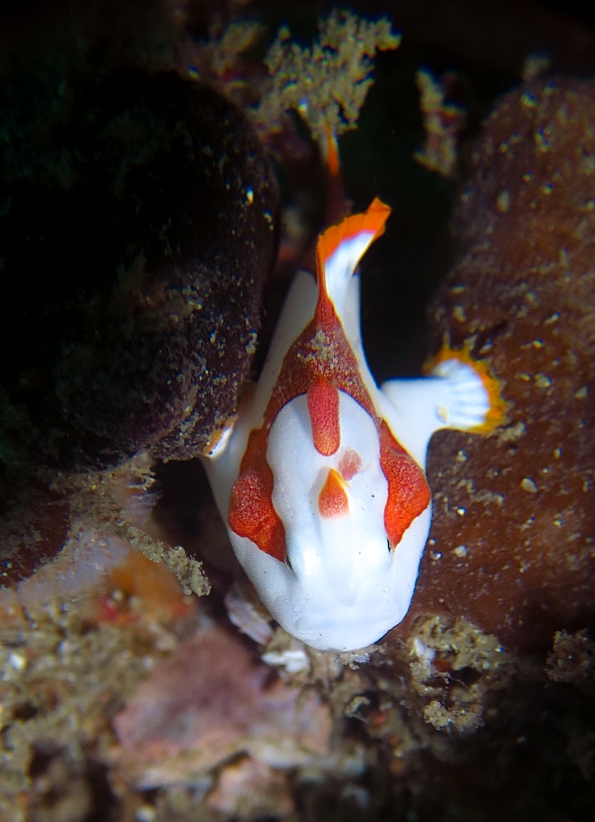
(155, 584)
(110, 611)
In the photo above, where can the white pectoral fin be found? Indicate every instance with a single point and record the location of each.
(468, 401)
(455, 395)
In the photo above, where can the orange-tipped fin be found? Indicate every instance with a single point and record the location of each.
(371, 223)
(340, 249)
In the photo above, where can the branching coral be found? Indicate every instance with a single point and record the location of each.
(219, 60)
(328, 82)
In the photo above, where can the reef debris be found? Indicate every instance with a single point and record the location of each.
(72, 651)
(443, 122)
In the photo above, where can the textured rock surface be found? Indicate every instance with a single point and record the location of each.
(512, 546)
(139, 226)
(138, 217)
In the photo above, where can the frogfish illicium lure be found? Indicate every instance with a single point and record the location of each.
(321, 481)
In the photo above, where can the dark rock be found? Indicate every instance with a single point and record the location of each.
(139, 222)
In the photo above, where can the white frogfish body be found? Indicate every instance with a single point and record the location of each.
(321, 482)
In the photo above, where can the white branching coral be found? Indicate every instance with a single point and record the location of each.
(328, 82)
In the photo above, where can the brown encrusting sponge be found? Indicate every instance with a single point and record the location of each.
(512, 546)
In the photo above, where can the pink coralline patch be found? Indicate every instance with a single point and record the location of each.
(211, 700)
(249, 789)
